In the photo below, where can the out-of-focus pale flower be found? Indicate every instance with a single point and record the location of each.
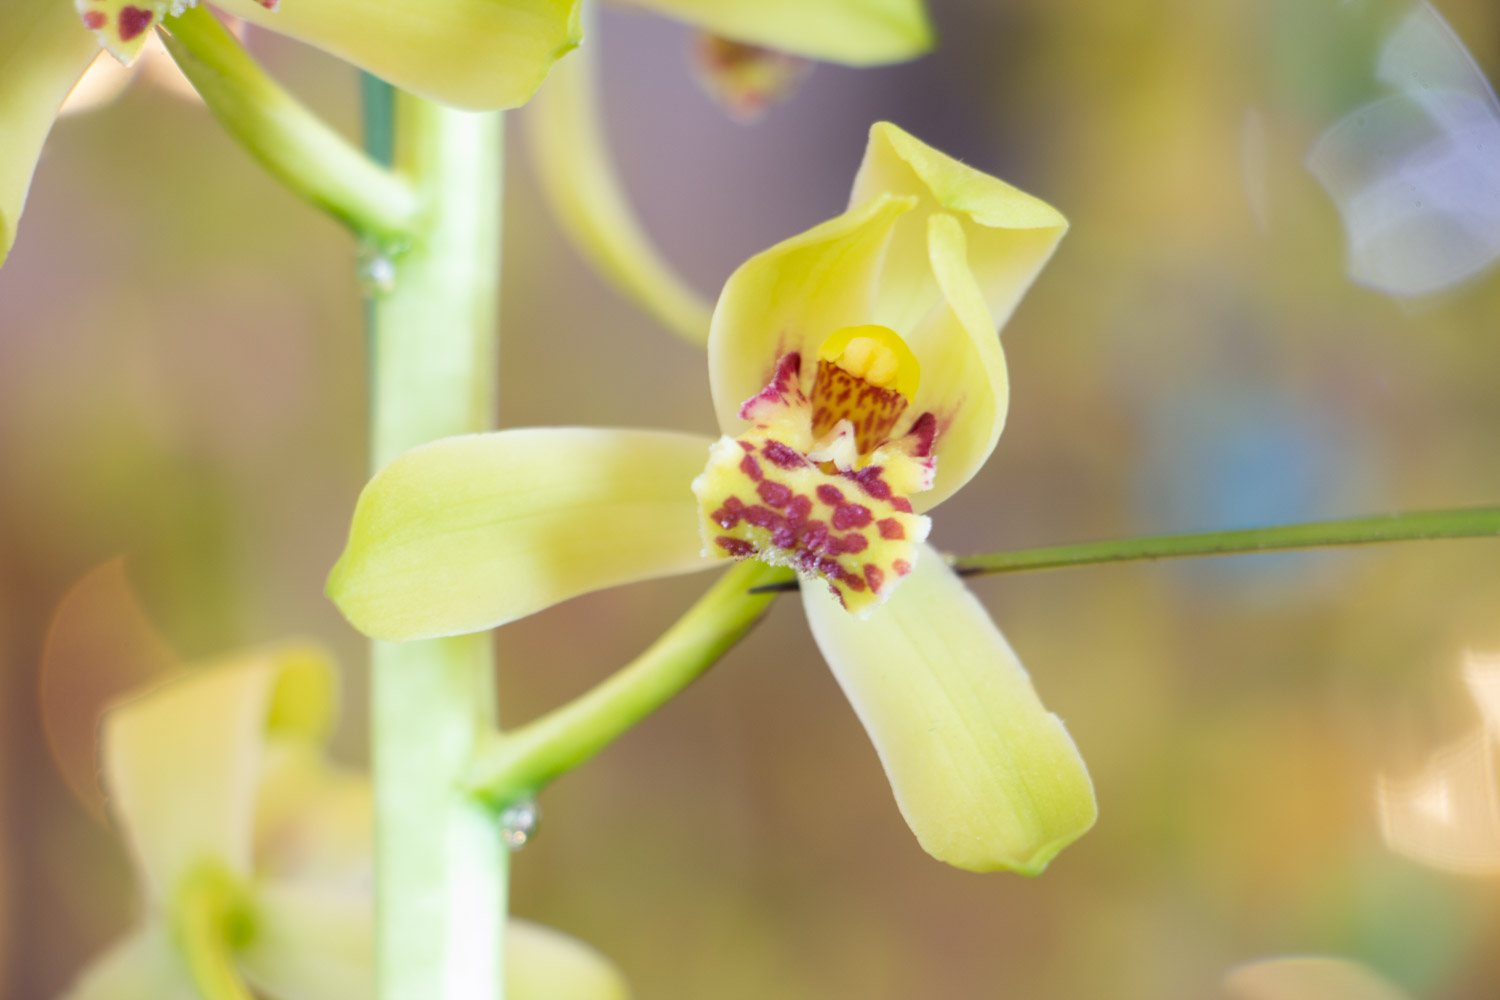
(1448, 816)
(1308, 978)
(748, 55)
(240, 827)
(469, 53)
(1415, 174)
(859, 381)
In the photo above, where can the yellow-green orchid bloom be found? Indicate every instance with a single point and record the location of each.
(219, 786)
(750, 54)
(469, 53)
(859, 381)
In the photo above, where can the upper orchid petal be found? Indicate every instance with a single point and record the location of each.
(1011, 235)
(472, 532)
(854, 32)
(791, 298)
(43, 53)
(143, 966)
(478, 54)
(181, 763)
(986, 777)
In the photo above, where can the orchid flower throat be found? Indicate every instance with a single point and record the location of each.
(820, 481)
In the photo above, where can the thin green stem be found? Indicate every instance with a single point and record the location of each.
(293, 144)
(1464, 522)
(209, 920)
(441, 866)
(512, 766)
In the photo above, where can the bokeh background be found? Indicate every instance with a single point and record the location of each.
(182, 404)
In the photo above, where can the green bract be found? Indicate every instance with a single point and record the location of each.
(476, 531)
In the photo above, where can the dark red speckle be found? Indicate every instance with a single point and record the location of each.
(890, 529)
(901, 566)
(851, 515)
(775, 494)
(737, 547)
(729, 515)
(94, 20)
(751, 468)
(868, 479)
(902, 504)
(925, 432)
(747, 446)
(874, 574)
(831, 495)
(134, 21)
(854, 543)
(798, 509)
(781, 455)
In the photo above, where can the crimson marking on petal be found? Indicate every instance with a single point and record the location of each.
(890, 529)
(737, 547)
(781, 455)
(746, 445)
(902, 504)
(798, 509)
(831, 495)
(751, 468)
(901, 566)
(854, 542)
(868, 479)
(134, 21)
(762, 517)
(783, 382)
(851, 515)
(270, 5)
(94, 20)
(729, 515)
(875, 575)
(775, 494)
(925, 432)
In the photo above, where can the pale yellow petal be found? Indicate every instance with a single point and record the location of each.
(475, 531)
(1011, 235)
(854, 32)
(143, 966)
(986, 777)
(791, 297)
(964, 381)
(577, 175)
(477, 54)
(313, 819)
(44, 50)
(181, 763)
(543, 964)
(1308, 978)
(310, 943)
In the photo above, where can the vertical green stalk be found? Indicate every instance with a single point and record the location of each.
(441, 865)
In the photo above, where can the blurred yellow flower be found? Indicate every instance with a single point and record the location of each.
(220, 788)
(876, 387)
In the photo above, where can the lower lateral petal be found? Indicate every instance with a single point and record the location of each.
(472, 532)
(985, 776)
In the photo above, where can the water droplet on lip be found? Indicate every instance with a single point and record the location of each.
(376, 269)
(518, 823)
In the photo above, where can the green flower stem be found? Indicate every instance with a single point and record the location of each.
(209, 921)
(441, 866)
(296, 146)
(1471, 522)
(513, 766)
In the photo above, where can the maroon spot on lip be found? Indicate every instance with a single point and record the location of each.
(737, 547)
(775, 494)
(751, 468)
(729, 515)
(798, 509)
(783, 456)
(890, 529)
(901, 566)
(746, 445)
(134, 21)
(902, 504)
(874, 574)
(94, 20)
(762, 517)
(851, 515)
(868, 479)
(854, 543)
(831, 495)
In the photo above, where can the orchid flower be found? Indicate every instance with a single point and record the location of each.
(469, 53)
(219, 786)
(858, 382)
(749, 54)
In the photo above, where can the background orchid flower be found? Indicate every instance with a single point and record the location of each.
(858, 381)
(468, 53)
(221, 790)
(750, 55)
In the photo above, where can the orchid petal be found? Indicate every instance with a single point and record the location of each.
(854, 32)
(1309, 978)
(123, 27)
(1011, 235)
(986, 777)
(577, 176)
(310, 943)
(472, 532)
(43, 53)
(314, 820)
(544, 964)
(964, 382)
(790, 298)
(477, 54)
(181, 763)
(143, 966)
